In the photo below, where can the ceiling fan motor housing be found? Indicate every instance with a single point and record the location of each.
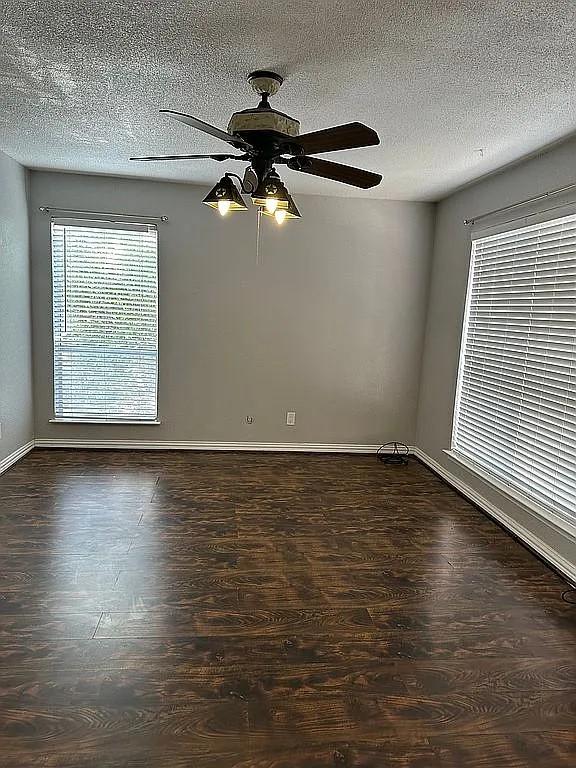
(258, 120)
(263, 119)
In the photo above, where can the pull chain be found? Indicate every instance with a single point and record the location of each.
(258, 217)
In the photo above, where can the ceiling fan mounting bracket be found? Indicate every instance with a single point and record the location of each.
(265, 82)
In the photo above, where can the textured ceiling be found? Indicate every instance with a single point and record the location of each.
(81, 82)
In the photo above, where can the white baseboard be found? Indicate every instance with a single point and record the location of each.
(535, 543)
(198, 445)
(16, 456)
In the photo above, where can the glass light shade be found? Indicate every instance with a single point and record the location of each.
(225, 192)
(282, 214)
(271, 193)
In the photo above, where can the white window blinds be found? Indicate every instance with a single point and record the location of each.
(105, 321)
(516, 402)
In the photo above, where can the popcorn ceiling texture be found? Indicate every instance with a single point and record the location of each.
(81, 82)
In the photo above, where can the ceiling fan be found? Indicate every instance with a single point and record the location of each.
(265, 138)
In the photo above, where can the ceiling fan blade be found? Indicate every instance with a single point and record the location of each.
(348, 136)
(190, 157)
(236, 141)
(346, 174)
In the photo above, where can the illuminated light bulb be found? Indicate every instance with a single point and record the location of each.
(280, 215)
(271, 204)
(223, 207)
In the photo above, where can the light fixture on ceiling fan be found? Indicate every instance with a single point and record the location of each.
(283, 214)
(225, 197)
(267, 138)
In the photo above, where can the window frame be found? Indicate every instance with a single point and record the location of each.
(111, 224)
(557, 517)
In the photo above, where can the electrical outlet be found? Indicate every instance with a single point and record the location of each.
(291, 418)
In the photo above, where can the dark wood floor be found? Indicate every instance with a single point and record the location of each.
(164, 610)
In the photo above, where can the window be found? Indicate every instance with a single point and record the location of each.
(105, 320)
(516, 401)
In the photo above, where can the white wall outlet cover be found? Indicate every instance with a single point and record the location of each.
(291, 418)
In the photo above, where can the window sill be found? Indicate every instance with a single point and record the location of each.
(104, 421)
(555, 518)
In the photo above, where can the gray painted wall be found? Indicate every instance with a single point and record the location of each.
(15, 354)
(330, 323)
(547, 171)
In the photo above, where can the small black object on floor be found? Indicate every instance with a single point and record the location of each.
(398, 455)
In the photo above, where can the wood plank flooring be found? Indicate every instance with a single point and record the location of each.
(220, 610)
